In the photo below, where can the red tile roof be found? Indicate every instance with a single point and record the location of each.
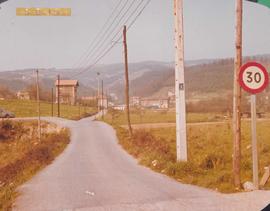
(67, 83)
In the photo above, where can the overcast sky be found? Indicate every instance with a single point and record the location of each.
(59, 42)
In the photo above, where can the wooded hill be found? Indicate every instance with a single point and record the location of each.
(213, 78)
(206, 80)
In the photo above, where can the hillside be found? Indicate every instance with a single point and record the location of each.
(20, 79)
(204, 78)
(214, 78)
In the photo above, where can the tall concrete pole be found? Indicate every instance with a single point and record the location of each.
(237, 97)
(127, 79)
(181, 134)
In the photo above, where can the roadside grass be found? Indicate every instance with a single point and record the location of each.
(152, 116)
(209, 151)
(22, 155)
(27, 108)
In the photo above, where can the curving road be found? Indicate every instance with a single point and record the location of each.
(95, 173)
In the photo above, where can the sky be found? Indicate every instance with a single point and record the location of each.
(60, 42)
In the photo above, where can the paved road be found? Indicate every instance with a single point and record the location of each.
(95, 173)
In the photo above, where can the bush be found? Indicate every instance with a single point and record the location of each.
(8, 129)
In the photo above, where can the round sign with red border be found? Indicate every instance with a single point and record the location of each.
(253, 77)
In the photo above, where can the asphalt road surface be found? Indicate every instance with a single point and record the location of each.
(95, 173)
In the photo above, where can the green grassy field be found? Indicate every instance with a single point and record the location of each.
(151, 116)
(26, 108)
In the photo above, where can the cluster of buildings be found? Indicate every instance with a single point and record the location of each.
(67, 93)
(155, 103)
(150, 103)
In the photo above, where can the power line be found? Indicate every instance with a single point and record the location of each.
(101, 30)
(113, 44)
(107, 34)
(125, 22)
(119, 31)
(98, 59)
(139, 14)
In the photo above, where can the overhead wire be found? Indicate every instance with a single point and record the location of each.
(103, 54)
(106, 37)
(100, 33)
(110, 48)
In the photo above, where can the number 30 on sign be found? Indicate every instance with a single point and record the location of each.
(253, 77)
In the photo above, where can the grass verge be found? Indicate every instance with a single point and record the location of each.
(27, 108)
(22, 155)
(210, 153)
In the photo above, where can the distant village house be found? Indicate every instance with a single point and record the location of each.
(23, 95)
(68, 91)
(119, 107)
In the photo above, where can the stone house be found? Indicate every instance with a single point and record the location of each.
(68, 91)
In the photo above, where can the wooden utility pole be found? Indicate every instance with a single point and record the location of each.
(237, 97)
(98, 93)
(102, 106)
(180, 98)
(107, 99)
(58, 95)
(127, 79)
(52, 101)
(38, 107)
(97, 102)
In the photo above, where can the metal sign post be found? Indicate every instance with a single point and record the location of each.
(253, 78)
(254, 142)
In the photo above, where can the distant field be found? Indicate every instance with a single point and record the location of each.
(151, 116)
(26, 108)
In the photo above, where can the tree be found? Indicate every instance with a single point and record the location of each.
(6, 93)
(45, 95)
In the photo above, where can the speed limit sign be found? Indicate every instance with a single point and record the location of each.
(253, 77)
